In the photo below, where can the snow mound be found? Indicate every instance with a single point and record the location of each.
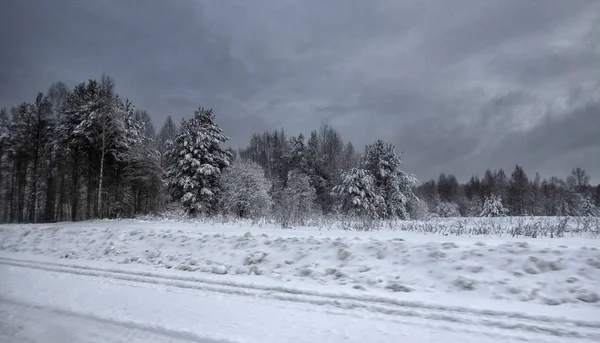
(544, 271)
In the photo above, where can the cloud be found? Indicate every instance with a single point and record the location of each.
(459, 87)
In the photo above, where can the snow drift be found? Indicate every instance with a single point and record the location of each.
(546, 271)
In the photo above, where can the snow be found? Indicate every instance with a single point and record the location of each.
(196, 278)
(36, 306)
(545, 271)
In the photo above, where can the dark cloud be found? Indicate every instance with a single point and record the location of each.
(459, 87)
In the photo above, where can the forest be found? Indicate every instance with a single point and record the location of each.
(88, 153)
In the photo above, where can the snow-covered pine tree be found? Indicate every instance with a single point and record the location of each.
(198, 160)
(493, 207)
(43, 129)
(246, 190)
(140, 171)
(148, 129)
(4, 166)
(402, 192)
(394, 185)
(358, 194)
(166, 136)
(587, 208)
(74, 134)
(296, 155)
(109, 121)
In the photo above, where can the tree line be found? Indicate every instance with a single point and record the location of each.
(516, 195)
(86, 153)
(76, 154)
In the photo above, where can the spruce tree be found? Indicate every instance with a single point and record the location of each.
(587, 208)
(391, 183)
(493, 207)
(359, 195)
(166, 136)
(197, 162)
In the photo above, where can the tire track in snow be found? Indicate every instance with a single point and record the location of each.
(22, 312)
(512, 321)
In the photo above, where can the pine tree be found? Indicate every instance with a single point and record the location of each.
(537, 196)
(518, 192)
(427, 191)
(41, 143)
(502, 184)
(20, 141)
(4, 166)
(246, 190)
(296, 155)
(488, 184)
(166, 137)
(493, 207)
(110, 121)
(139, 166)
(587, 208)
(448, 188)
(147, 128)
(394, 185)
(77, 136)
(316, 170)
(359, 195)
(198, 160)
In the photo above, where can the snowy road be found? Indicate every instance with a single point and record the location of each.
(50, 301)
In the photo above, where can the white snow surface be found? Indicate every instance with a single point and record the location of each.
(148, 281)
(71, 304)
(543, 270)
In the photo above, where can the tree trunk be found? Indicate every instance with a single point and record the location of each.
(61, 198)
(21, 187)
(100, 178)
(90, 187)
(74, 188)
(50, 193)
(33, 196)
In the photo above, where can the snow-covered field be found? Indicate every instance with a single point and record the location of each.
(536, 289)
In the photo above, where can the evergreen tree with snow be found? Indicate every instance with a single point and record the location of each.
(147, 127)
(391, 183)
(493, 207)
(140, 167)
(587, 208)
(297, 154)
(246, 190)
(358, 194)
(197, 162)
(109, 134)
(165, 139)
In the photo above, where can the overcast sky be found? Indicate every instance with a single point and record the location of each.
(457, 85)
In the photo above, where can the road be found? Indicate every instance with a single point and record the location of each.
(57, 302)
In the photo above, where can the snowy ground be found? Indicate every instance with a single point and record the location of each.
(65, 306)
(304, 285)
